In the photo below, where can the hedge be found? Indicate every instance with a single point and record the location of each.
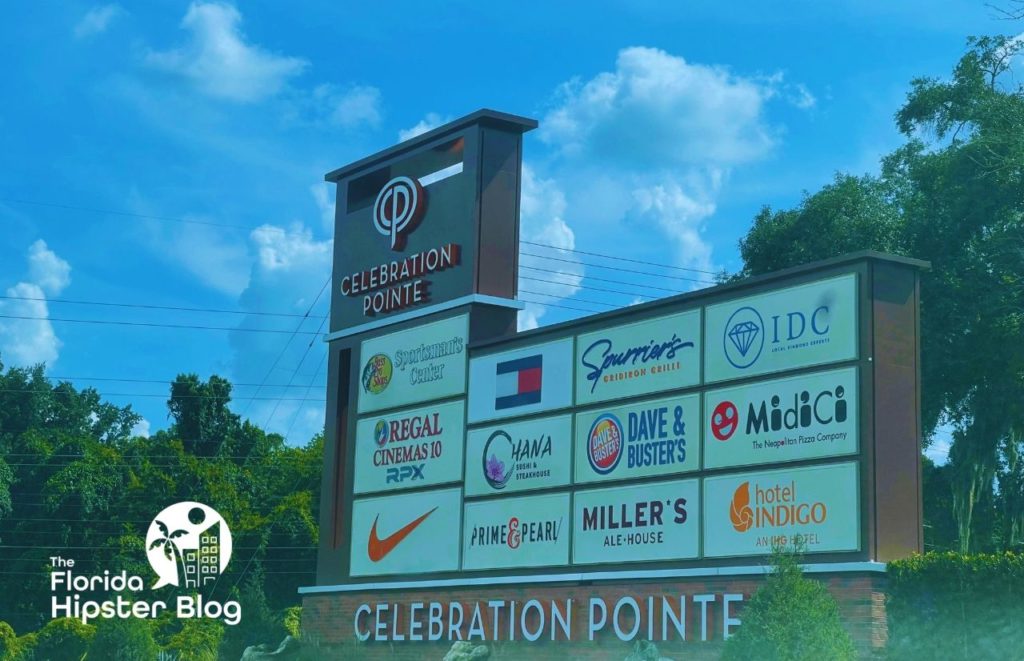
(951, 605)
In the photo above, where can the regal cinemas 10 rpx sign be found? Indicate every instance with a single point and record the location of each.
(615, 430)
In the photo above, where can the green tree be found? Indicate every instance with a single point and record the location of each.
(953, 195)
(123, 640)
(790, 618)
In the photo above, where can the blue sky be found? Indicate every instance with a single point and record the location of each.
(664, 128)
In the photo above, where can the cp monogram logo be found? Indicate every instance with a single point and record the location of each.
(398, 209)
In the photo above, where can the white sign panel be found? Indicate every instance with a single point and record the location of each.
(799, 326)
(511, 383)
(517, 532)
(657, 521)
(648, 356)
(410, 448)
(659, 437)
(817, 507)
(518, 456)
(802, 417)
(408, 534)
(414, 365)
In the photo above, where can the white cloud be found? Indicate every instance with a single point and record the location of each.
(429, 122)
(141, 428)
(680, 216)
(97, 20)
(356, 106)
(325, 203)
(656, 110)
(542, 210)
(213, 255)
(801, 97)
(46, 269)
(219, 61)
(290, 269)
(29, 341)
(281, 249)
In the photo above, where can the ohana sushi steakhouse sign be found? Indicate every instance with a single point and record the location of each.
(561, 470)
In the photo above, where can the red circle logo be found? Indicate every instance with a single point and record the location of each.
(724, 420)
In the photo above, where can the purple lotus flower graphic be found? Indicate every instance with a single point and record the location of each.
(495, 469)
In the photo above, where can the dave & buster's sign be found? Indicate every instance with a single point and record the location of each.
(518, 456)
(816, 507)
(414, 365)
(409, 448)
(635, 359)
(651, 438)
(656, 521)
(798, 326)
(800, 417)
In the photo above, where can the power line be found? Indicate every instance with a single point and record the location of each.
(139, 394)
(557, 305)
(621, 259)
(124, 213)
(234, 384)
(588, 287)
(592, 277)
(615, 268)
(153, 325)
(581, 300)
(148, 306)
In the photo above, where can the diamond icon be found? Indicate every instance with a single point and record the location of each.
(743, 335)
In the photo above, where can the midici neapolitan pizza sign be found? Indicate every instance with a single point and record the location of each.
(414, 365)
(410, 448)
(799, 417)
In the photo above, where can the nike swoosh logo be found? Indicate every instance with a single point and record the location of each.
(377, 548)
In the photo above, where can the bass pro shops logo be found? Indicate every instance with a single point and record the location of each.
(398, 209)
(377, 374)
(188, 545)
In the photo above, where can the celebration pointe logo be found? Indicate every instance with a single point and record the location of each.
(377, 373)
(188, 545)
(744, 337)
(398, 209)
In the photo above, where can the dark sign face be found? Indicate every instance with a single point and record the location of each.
(402, 229)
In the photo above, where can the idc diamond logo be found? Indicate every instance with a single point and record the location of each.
(188, 545)
(744, 337)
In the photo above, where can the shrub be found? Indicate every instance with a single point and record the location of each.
(293, 621)
(944, 605)
(63, 639)
(197, 640)
(124, 640)
(790, 618)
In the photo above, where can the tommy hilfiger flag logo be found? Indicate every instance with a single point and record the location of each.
(517, 382)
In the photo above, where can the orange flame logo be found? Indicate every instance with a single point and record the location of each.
(740, 514)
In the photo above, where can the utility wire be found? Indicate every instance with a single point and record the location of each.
(616, 268)
(616, 257)
(148, 306)
(153, 325)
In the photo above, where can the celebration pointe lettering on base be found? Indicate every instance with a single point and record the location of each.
(653, 617)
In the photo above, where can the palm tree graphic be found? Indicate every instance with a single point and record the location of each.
(171, 550)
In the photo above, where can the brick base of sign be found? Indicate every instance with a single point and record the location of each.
(684, 617)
